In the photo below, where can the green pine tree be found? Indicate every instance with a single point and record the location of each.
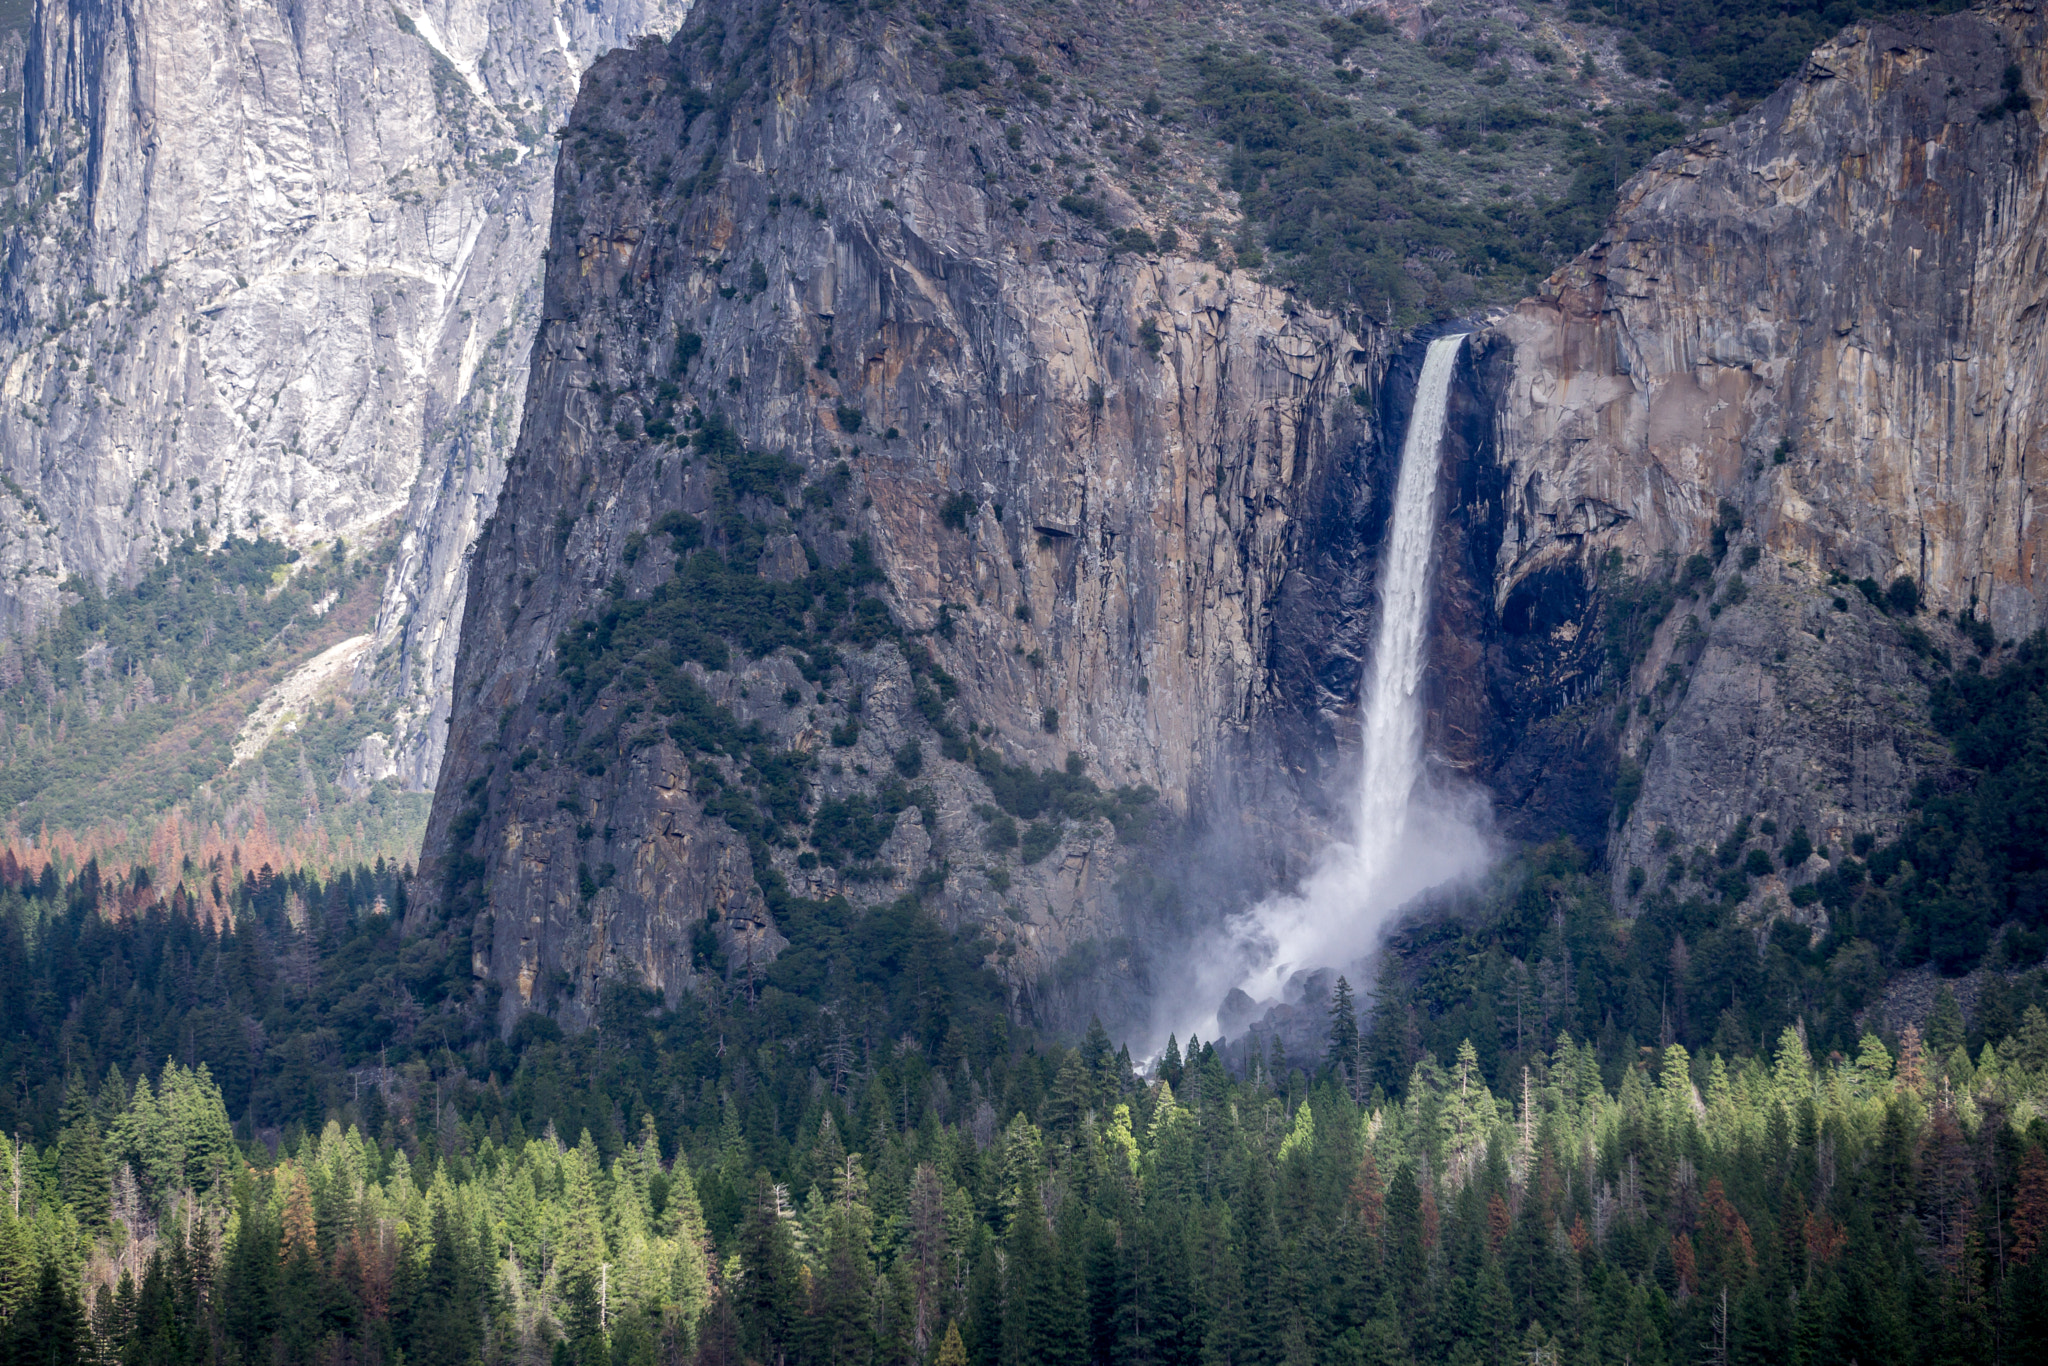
(583, 1258)
(1945, 1031)
(49, 1328)
(842, 1311)
(1345, 1052)
(769, 1303)
(690, 1248)
(449, 1302)
(82, 1173)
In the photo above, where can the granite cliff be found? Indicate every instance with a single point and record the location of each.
(1089, 475)
(886, 521)
(278, 268)
(1808, 352)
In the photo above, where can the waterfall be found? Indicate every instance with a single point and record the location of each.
(1409, 835)
(1392, 721)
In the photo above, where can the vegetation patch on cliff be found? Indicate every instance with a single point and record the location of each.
(1973, 859)
(1745, 48)
(1344, 203)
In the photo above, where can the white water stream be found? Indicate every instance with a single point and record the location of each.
(1407, 836)
(1393, 710)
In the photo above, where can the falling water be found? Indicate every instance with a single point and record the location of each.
(1393, 712)
(1409, 836)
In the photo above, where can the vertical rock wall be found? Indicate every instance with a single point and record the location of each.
(278, 268)
(1130, 506)
(1822, 323)
(1167, 468)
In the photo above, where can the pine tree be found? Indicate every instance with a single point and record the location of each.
(111, 1099)
(1345, 1051)
(197, 1123)
(1911, 1078)
(1945, 1032)
(140, 1140)
(1170, 1065)
(1073, 1096)
(168, 1324)
(827, 1154)
(298, 1283)
(1407, 1251)
(17, 1262)
(1264, 1312)
(82, 1173)
(1282, 1069)
(1385, 1339)
(1873, 1068)
(519, 1215)
(633, 1286)
(1026, 1282)
(1099, 1058)
(113, 1317)
(249, 1310)
(1107, 1276)
(2030, 1208)
(636, 1173)
(769, 1302)
(2028, 1048)
(1063, 1317)
(927, 1255)
(983, 1334)
(1393, 1048)
(298, 1236)
(49, 1329)
(690, 1267)
(1165, 1324)
(952, 1352)
(583, 1261)
(1467, 1112)
(448, 1301)
(841, 1316)
(1043, 1304)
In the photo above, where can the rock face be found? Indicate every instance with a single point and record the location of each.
(280, 268)
(1820, 330)
(1125, 501)
(1124, 509)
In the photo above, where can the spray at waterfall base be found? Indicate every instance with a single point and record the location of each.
(1412, 829)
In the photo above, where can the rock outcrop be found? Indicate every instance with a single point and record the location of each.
(279, 268)
(1809, 349)
(1124, 499)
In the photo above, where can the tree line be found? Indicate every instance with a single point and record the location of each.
(1888, 1206)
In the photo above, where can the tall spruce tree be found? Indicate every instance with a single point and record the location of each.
(583, 1263)
(83, 1176)
(770, 1301)
(1345, 1054)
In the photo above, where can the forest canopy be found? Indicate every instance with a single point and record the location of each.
(864, 1164)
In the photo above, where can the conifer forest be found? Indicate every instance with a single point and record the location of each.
(883, 1171)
